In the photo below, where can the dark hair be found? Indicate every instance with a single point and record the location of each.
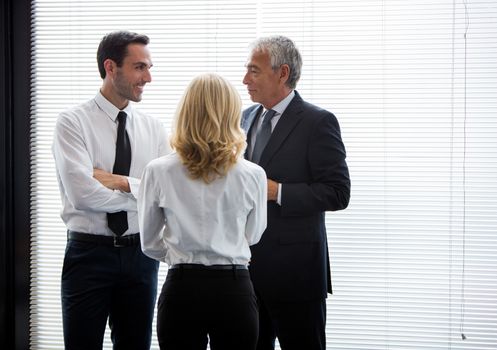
(115, 46)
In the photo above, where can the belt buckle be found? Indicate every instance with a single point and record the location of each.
(117, 242)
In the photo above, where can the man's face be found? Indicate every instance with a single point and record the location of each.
(263, 83)
(131, 77)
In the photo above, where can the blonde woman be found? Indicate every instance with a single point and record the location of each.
(200, 209)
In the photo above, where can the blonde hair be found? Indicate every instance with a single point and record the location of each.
(207, 136)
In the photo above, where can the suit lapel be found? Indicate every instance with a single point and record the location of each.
(287, 122)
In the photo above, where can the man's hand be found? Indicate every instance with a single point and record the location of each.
(112, 181)
(272, 190)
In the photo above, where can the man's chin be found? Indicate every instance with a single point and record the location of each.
(136, 98)
(253, 98)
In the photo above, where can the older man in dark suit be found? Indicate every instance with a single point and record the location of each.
(300, 148)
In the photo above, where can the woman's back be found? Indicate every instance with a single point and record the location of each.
(206, 223)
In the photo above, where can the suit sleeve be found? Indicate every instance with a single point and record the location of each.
(329, 186)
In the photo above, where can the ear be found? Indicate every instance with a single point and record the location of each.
(110, 67)
(284, 73)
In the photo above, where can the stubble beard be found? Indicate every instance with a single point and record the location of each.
(125, 89)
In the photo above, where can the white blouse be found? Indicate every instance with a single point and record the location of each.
(188, 221)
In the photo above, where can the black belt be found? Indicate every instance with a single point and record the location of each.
(208, 267)
(114, 241)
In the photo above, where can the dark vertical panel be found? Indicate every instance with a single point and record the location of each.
(6, 262)
(15, 61)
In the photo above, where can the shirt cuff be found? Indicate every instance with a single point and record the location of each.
(134, 186)
(128, 201)
(279, 194)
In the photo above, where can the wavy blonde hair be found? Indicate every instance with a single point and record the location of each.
(207, 135)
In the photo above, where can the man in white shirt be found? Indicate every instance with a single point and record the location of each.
(100, 149)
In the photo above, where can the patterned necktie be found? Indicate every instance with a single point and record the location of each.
(263, 136)
(118, 222)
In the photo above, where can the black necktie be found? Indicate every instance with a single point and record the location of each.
(263, 136)
(118, 222)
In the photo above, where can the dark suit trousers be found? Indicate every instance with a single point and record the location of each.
(298, 325)
(195, 305)
(104, 282)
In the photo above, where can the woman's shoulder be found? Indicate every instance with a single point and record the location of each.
(165, 162)
(250, 169)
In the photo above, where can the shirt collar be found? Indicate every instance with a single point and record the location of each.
(108, 108)
(280, 107)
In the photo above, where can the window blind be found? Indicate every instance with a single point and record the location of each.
(413, 84)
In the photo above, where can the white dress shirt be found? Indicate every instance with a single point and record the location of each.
(84, 139)
(188, 221)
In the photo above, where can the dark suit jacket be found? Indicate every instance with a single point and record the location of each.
(306, 154)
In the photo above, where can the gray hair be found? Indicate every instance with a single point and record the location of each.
(281, 50)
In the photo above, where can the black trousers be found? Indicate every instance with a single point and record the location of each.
(298, 325)
(103, 282)
(200, 306)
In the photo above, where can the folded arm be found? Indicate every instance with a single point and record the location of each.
(76, 173)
